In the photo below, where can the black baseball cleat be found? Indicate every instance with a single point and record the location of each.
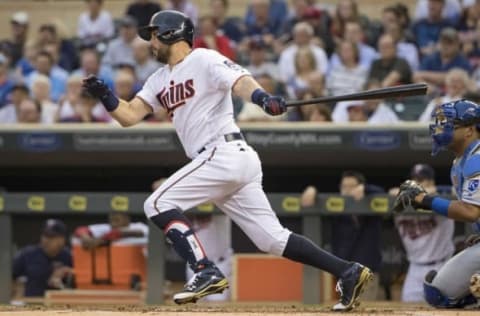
(351, 285)
(207, 281)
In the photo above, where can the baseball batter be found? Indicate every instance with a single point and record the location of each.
(195, 87)
(456, 128)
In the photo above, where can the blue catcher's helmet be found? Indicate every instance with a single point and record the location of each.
(447, 117)
(172, 26)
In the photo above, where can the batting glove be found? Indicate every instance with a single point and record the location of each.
(97, 88)
(271, 104)
(406, 197)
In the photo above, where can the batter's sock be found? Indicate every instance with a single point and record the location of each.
(179, 232)
(302, 249)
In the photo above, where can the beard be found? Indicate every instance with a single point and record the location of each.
(162, 55)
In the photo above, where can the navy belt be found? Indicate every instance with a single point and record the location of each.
(228, 138)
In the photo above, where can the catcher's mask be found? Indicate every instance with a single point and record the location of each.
(449, 116)
(171, 26)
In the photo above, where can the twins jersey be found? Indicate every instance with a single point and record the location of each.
(196, 93)
(465, 176)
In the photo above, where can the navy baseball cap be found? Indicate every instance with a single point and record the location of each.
(422, 172)
(54, 227)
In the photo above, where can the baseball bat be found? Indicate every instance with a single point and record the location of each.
(382, 93)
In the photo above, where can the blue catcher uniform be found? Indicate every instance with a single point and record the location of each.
(450, 287)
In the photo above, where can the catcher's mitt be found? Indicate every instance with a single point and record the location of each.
(406, 196)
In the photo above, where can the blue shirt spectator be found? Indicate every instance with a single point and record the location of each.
(90, 65)
(232, 27)
(434, 62)
(265, 17)
(427, 30)
(277, 11)
(45, 265)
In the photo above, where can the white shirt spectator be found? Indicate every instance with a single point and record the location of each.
(343, 80)
(409, 52)
(426, 116)
(268, 68)
(101, 27)
(286, 62)
(143, 71)
(8, 114)
(118, 52)
(382, 115)
(366, 53)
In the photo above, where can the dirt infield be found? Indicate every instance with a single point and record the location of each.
(376, 309)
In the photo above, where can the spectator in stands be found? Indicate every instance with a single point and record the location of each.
(427, 30)
(90, 65)
(44, 65)
(53, 50)
(119, 228)
(355, 237)
(305, 67)
(41, 94)
(277, 11)
(13, 47)
(354, 33)
(95, 25)
(66, 51)
(319, 113)
(24, 66)
(145, 64)
(209, 37)
(405, 50)
(457, 83)
(434, 68)
(120, 50)
(370, 111)
(320, 21)
(185, 6)
(125, 85)
(427, 238)
(302, 37)
(348, 76)
(232, 27)
(142, 10)
(258, 62)
(44, 266)
(252, 113)
(6, 84)
(451, 9)
(467, 31)
(86, 109)
(389, 69)
(263, 24)
(8, 113)
(29, 111)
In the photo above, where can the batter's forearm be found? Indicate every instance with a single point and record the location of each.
(245, 86)
(126, 115)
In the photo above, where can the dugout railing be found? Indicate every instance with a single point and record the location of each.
(12, 204)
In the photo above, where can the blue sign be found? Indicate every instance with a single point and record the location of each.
(377, 141)
(39, 142)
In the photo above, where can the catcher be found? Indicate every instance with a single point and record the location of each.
(456, 128)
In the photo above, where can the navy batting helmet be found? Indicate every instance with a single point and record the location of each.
(172, 26)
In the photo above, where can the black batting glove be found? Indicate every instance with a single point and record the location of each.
(406, 197)
(97, 88)
(271, 104)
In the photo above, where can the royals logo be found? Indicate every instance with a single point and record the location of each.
(176, 94)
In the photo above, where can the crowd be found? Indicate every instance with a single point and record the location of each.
(300, 49)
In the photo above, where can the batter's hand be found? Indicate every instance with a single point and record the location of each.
(274, 105)
(405, 198)
(95, 86)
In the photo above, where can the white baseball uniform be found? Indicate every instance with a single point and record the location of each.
(428, 242)
(197, 93)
